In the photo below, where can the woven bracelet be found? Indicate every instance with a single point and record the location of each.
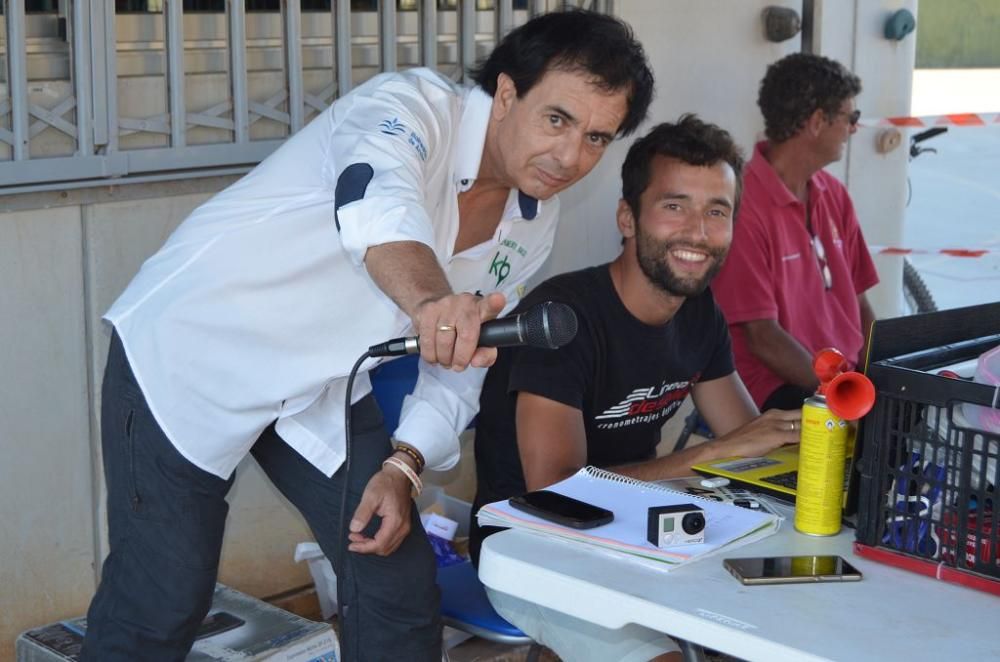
(410, 474)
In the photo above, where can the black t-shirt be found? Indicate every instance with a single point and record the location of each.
(626, 377)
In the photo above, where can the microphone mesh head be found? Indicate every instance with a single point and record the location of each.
(549, 325)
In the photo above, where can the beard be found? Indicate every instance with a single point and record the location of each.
(655, 264)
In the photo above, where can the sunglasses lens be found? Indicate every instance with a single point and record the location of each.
(854, 117)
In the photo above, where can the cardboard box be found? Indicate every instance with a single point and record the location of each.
(259, 631)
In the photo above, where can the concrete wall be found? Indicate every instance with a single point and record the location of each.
(713, 68)
(877, 182)
(708, 58)
(60, 269)
(46, 476)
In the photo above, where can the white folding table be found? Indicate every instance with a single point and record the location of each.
(891, 614)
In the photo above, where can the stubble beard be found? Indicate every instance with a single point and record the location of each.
(654, 261)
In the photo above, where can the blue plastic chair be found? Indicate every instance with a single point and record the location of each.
(464, 605)
(693, 424)
(391, 382)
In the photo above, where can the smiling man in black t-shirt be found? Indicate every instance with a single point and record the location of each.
(649, 334)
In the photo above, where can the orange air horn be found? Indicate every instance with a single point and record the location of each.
(850, 395)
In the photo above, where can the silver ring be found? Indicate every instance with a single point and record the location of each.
(446, 327)
(794, 426)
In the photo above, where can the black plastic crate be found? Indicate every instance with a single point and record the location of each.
(929, 479)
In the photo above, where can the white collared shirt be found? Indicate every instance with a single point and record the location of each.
(258, 305)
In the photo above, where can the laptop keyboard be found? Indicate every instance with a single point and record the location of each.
(790, 479)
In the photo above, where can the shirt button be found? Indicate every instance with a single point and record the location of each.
(465, 182)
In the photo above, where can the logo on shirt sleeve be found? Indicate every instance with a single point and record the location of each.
(393, 127)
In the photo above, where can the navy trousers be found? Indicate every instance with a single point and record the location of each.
(166, 519)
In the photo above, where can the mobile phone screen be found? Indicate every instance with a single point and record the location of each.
(562, 509)
(792, 569)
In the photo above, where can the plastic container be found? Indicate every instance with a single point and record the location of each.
(930, 476)
(987, 372)
(432, 498)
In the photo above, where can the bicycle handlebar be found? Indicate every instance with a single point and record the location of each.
(929, 133)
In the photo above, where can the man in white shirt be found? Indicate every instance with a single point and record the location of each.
(388, 215)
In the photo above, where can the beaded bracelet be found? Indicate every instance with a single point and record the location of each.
(414, 479)
(413, 453)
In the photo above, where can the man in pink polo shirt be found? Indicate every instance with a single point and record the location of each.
(798, 269)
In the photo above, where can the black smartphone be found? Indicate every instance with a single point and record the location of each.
(792, 570)
(218, 622)
(562, 509)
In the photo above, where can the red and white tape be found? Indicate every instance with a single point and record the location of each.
(951, 119)
(951, 252)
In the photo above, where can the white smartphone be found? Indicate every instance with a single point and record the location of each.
(792, 570)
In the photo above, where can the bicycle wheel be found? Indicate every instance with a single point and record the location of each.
(915, 292)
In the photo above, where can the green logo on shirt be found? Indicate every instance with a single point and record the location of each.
(500, 268)
(511, 244)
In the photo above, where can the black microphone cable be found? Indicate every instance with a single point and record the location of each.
(347, 457)
(548, 325)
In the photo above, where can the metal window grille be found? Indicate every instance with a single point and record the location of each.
(92, 90)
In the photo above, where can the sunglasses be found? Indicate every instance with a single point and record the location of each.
(824, 267)
(853, 117)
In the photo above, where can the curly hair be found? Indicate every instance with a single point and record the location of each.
(602, 46)
(691, 141)
(796, 86)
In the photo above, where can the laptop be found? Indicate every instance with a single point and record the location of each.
(902, 340)
(775, 474)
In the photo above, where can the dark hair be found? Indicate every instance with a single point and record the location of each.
(600, 45)
(691, 141)
(796, 86)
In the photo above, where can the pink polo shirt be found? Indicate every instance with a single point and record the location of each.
(773, 272)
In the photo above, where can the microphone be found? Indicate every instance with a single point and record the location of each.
(548, 325)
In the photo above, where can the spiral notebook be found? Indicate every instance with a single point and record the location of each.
(727, 526)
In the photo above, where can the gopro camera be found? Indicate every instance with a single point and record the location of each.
(683, 524)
